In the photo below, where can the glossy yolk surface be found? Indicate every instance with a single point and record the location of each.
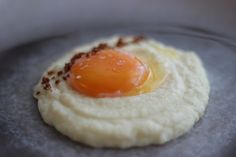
(108, 73)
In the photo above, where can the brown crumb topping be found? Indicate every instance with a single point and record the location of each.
(77, 56)
(100, 47)
(51, 72)
(57, 82)
(38, 92)
(64, 78)
(59, 73)
(137, 39)
(47, 86)
(64, 73)
(67, 67)
(120, 42)
(45, 82)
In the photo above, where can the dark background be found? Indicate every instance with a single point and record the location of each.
(26, 20)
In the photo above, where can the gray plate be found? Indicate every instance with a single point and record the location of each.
(23, 133)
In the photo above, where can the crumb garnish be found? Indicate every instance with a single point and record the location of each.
(87, 55)
(45, 82)
(93, 51)
(64, 73)
(102, 46)
(138, 38)
(57, 82)
(67, 67)
(76, 56)
(59, 73)
(51, 72)
(120, 42)
(38, 92)
(64, 78)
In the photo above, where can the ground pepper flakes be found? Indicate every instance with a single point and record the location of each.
(47, 86)
(45, 80)
(45, 83)
(67, 67)
(59, 73)
(57, 82)
(120, 43)
(77, 56)
(51, 72)
(137, 39)
(64, 78)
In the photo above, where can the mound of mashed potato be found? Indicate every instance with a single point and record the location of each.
(154, 117)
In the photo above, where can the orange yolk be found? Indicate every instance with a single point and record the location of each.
(107, 73)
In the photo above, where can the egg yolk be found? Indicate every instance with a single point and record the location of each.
(107, 73)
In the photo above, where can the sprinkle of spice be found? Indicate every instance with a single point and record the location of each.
(64, 78)
(77, 56)
(45, 80)
(57, 82)
(137, 39)
(59, 73)
(47, 86)
(51, 72)
(67, 67)
(100, 47)
(45, 83)
(120, 43)
(88, 55)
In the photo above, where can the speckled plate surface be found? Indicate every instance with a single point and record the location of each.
(23, 132)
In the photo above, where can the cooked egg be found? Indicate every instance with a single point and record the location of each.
(109, 72)
(123, 92)
(112, 72)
